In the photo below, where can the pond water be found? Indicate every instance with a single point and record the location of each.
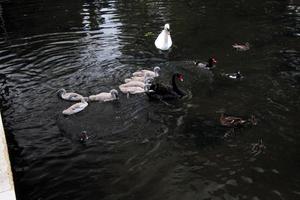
(141, 149)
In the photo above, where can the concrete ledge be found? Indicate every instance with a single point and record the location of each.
(7, 189)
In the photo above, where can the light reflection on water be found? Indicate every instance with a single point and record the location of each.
(151, 150)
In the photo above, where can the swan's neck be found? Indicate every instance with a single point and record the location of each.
(146, 87)
(166, 33)
(209, 65)
(115, 95)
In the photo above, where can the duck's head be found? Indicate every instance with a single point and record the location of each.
(114, 93)
(253, 120)
(167, 27)
(196, 62)
(83, 136)
(238, 74)
(212, 61)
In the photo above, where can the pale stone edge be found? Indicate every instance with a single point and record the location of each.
(5, 194)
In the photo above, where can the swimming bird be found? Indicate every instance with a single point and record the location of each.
(231, 121)
(69, 96)
(133, 90)
(137, 83)
(209, 65)
(158, 91)
(75, 108)
(105, 96)
(164, 41)
(154, 73)
(83, 136)
(236, 75)
(241, 47)
(135, 87)
(258, 148)
(137, 78)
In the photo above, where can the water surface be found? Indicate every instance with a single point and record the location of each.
(139, 149)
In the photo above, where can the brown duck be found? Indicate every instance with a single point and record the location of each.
(231, 121)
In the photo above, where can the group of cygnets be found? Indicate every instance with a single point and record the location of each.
(140, 82)
(143, 81)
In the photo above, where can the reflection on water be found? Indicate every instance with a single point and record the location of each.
(139, 149)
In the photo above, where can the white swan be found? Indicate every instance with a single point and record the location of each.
(75, 108)
(164, 41)
(69, 96)
(105, 96)
(154, 73)
(137, 78)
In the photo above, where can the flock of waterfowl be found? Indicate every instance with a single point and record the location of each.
(144, 81)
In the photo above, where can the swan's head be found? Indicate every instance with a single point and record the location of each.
(61, 91)
(167, 27)
(179, 76)
(212, 61)
(114, 93)
(156, 71)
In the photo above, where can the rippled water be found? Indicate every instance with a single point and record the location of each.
(139, 149)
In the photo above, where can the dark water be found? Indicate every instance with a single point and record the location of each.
(151, 150)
